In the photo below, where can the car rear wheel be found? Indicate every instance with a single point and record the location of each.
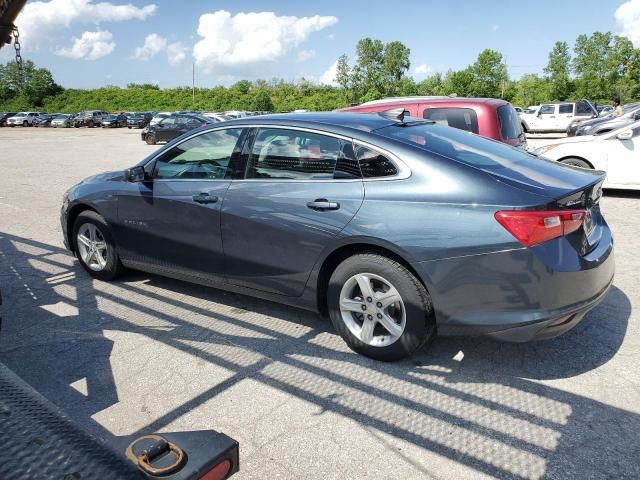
(95, 247)
(150, 139)
(90, 124)
(379, 307)
(575, 162)
(25, 124)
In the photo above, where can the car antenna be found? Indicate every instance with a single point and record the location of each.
(393, 114)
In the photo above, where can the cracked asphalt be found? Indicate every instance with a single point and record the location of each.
(147, 353)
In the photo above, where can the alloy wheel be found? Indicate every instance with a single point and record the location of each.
(92, 247)
(372, 309)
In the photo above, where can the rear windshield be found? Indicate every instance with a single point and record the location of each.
(459, 145)
(510, 126)
(462, 118)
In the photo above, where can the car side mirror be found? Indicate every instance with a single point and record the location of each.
(135, 174)
(626, 135)
(538, 113)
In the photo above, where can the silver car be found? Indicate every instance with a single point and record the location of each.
(23, 118)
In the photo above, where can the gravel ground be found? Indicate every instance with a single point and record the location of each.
(147, 353)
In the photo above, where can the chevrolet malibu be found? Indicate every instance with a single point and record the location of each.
(396, 228)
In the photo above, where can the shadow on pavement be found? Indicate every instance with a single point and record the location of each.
(492, 411)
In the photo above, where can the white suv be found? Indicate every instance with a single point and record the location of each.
(556, 117)
(23, 118)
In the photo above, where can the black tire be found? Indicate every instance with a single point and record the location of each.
(114, 266)
(150, 139)
(90, 124)
(129, 128)
(576, 162)
(420, 322)
(25, 124)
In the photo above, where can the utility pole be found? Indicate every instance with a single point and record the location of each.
(193, 83)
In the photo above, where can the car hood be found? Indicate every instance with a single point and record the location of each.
(104, 177)
(578, 139)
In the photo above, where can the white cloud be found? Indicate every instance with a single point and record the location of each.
(90, 46)
(329, 77)
(39, 19)
(628, 18)
(153, 45)
(176, 53)
(304, 55)
(422, 69)
(246, 38)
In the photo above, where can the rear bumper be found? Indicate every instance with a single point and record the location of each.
(519, 295)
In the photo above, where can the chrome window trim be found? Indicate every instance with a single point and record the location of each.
(404, 171)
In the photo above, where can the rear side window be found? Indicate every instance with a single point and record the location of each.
(293, 155)
(510, 127)
(566, 108)
(373, 164)
(462, 118)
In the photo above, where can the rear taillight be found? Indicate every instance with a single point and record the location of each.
(219, 472)
(531, 228)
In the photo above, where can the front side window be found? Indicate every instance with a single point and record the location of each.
(204, 157)
(462, 118)
(547, 109)
(167, 122)
(293, 155)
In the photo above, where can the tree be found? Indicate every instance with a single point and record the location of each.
(262, 102)
(367, 71)
(489, 75)
(343, 77)
(395, 63)
(432, 85)
(558, 71)
(590, 63)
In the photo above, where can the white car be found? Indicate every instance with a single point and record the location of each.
(616, 152)
(556, 117)
(218, 117)
(23, 118)
(158, 117)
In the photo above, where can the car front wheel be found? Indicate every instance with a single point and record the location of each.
(150, 139)
(379, 307)
(95, 247)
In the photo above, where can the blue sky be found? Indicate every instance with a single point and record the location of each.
(88, 44)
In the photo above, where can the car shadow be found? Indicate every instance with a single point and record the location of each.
(118, 358)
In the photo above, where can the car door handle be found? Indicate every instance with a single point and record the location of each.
(322, 204)
(205, 198)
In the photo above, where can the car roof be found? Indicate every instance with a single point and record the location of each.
(325, 120)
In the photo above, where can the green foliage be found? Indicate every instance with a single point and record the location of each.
(601, 66)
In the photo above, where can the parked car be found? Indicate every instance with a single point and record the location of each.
(172, 127)
(319, 211)
(4, 116)
(616, 152)
(157, 118)
(491, 118)
(114, 121)
(218, 117)
(23, 118)
(557, 116)
(604, 110)
(138, 119)
(90, 118)
(44, 120)
(63, 120)
(599, 125)
(518, 110)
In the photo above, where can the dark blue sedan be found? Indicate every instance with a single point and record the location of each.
(396, 228)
